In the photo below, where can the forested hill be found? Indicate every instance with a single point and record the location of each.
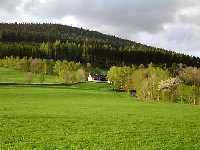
(54, 41)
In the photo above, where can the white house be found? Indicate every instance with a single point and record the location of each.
(90, 78)
(96, 78)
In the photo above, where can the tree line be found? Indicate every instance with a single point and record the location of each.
(58, 42)
(152, 83)
(66, 72)
(157, 84)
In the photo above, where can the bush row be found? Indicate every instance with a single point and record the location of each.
(157, 84)
(67, 72)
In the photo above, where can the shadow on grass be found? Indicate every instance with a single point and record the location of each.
(79, 85)
(62, 85)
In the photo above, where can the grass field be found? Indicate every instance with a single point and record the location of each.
(92, 116)
(8, 75)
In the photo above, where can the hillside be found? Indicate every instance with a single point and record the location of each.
(54, 41)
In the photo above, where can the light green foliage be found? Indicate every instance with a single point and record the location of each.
(9, 75)
(119, 77)
(42, 77)
(185, 94)
(191, 75)
(69, 72)
(169, 87)
(46, 48)
(29, 78)
(37, 66)
(56, 47)
(8, 62)
(153, 84)
(23, 64)
(92, 116)
(146, 81)
(81, 75)
(169, 84)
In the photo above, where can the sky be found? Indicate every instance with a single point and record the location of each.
(169, 24)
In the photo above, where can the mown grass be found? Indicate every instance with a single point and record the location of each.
(92, 116)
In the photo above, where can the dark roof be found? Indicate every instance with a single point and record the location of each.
(99, 77)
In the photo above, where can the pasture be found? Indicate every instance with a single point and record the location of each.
(9, 75)
(92, 116)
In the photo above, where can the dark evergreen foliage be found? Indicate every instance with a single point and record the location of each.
(59, 42)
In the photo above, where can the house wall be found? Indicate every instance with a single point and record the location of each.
(90, 78)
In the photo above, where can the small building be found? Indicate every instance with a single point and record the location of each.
(96, 78)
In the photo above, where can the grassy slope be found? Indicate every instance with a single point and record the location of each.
(90, 116)
(8, 75)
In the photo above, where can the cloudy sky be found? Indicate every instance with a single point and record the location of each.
(170, 24)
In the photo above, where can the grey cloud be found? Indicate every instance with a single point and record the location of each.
(127, 18)
(178, 37)
(134, 15)
(9, 5)
(192, 19)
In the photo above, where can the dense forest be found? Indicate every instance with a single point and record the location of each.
(60, 42)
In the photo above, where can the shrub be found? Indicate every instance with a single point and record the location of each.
(42, 77)
(146, 80)
(169, 87)
(29, 77)
(37, 66)
(184, 94)
(69, 72)
(81, 75)
(23, 64)
(191, 76)
(119, 77)
(169, 84)
(68, 77)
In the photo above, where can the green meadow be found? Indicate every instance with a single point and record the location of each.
(92, 116)
(144, 97)
(9, 75)
(89, 116)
